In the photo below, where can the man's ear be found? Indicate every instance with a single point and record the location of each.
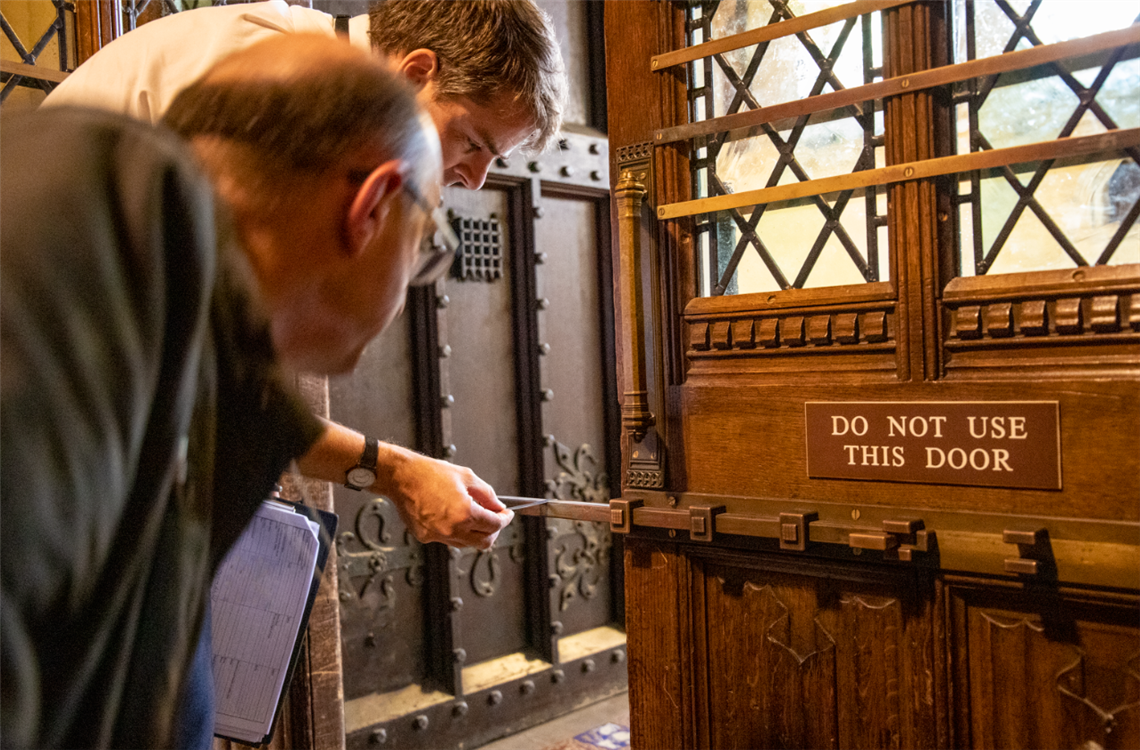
(420, 66)
(370, 206)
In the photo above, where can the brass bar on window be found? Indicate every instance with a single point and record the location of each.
(1113, 140)
(948, 74)
(1025, 285)
(807, 301)
(771, 31)
(32, 71)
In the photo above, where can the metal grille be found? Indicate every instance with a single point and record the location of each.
(57, 29)
(1035, 217)
(480, 255)
(724, 238)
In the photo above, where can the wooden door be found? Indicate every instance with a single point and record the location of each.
(853, 253)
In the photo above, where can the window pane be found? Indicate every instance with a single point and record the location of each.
(1057, 214)
(825, 241)
(28, 25)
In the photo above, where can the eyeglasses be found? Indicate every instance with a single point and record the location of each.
(438, 247)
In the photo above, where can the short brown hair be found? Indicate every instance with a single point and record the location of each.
(302, 116)
(485, 48)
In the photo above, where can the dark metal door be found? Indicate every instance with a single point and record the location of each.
(505, 366)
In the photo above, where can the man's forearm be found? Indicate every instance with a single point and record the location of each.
(438, 501)
(338, 450)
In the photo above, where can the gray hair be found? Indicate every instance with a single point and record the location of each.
(485, 48)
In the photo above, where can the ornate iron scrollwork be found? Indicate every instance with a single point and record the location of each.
(583, 568)
(379, 561)
(580, 567)
(576, 480)
(485, 586)
(1080, 680)
(485, 572)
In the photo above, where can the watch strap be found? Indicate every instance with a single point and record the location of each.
(371, 453)
(367, 461)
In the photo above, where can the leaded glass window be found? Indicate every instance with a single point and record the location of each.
(819, 241)
(38, 43)
(1052, 214)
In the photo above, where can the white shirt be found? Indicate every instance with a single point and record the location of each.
(141, 72)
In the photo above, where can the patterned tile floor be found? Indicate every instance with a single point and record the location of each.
(608, 736)
(601, 726)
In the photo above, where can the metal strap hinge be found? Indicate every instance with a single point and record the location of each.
(702, 519)
(621, 515)
(1035, 553)
(794, 530)
(900, 539)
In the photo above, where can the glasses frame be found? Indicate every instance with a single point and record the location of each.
(433, 259)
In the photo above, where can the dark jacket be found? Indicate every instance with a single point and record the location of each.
(142, 419)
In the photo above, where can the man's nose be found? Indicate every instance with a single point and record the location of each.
(472, 171)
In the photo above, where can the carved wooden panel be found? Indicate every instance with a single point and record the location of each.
(660, 656)
(819, 333)
(1032, 313)
(1045, 668)
(799, 654)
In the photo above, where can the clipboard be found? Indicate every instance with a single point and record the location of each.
(325, 532)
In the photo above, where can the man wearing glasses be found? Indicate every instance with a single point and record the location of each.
(148, 324)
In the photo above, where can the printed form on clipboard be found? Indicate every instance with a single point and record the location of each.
(259, 602)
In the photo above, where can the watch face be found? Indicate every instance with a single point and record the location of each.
(361, 477)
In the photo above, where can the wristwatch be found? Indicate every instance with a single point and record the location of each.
(362, 475)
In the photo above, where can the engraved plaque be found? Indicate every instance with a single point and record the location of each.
(979, 443)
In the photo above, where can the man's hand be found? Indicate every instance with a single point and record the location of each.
(439, 502)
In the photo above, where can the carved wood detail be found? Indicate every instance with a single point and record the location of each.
(645, 459)
(634, 152)
(1088, 317)
(837, 332)
(1087, 684)
(644, 480)
(802, 641)
(1046, 668)
(771, 665)
(630, 192)
(797, 657)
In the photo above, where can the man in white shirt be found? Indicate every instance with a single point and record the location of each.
(489, 72)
